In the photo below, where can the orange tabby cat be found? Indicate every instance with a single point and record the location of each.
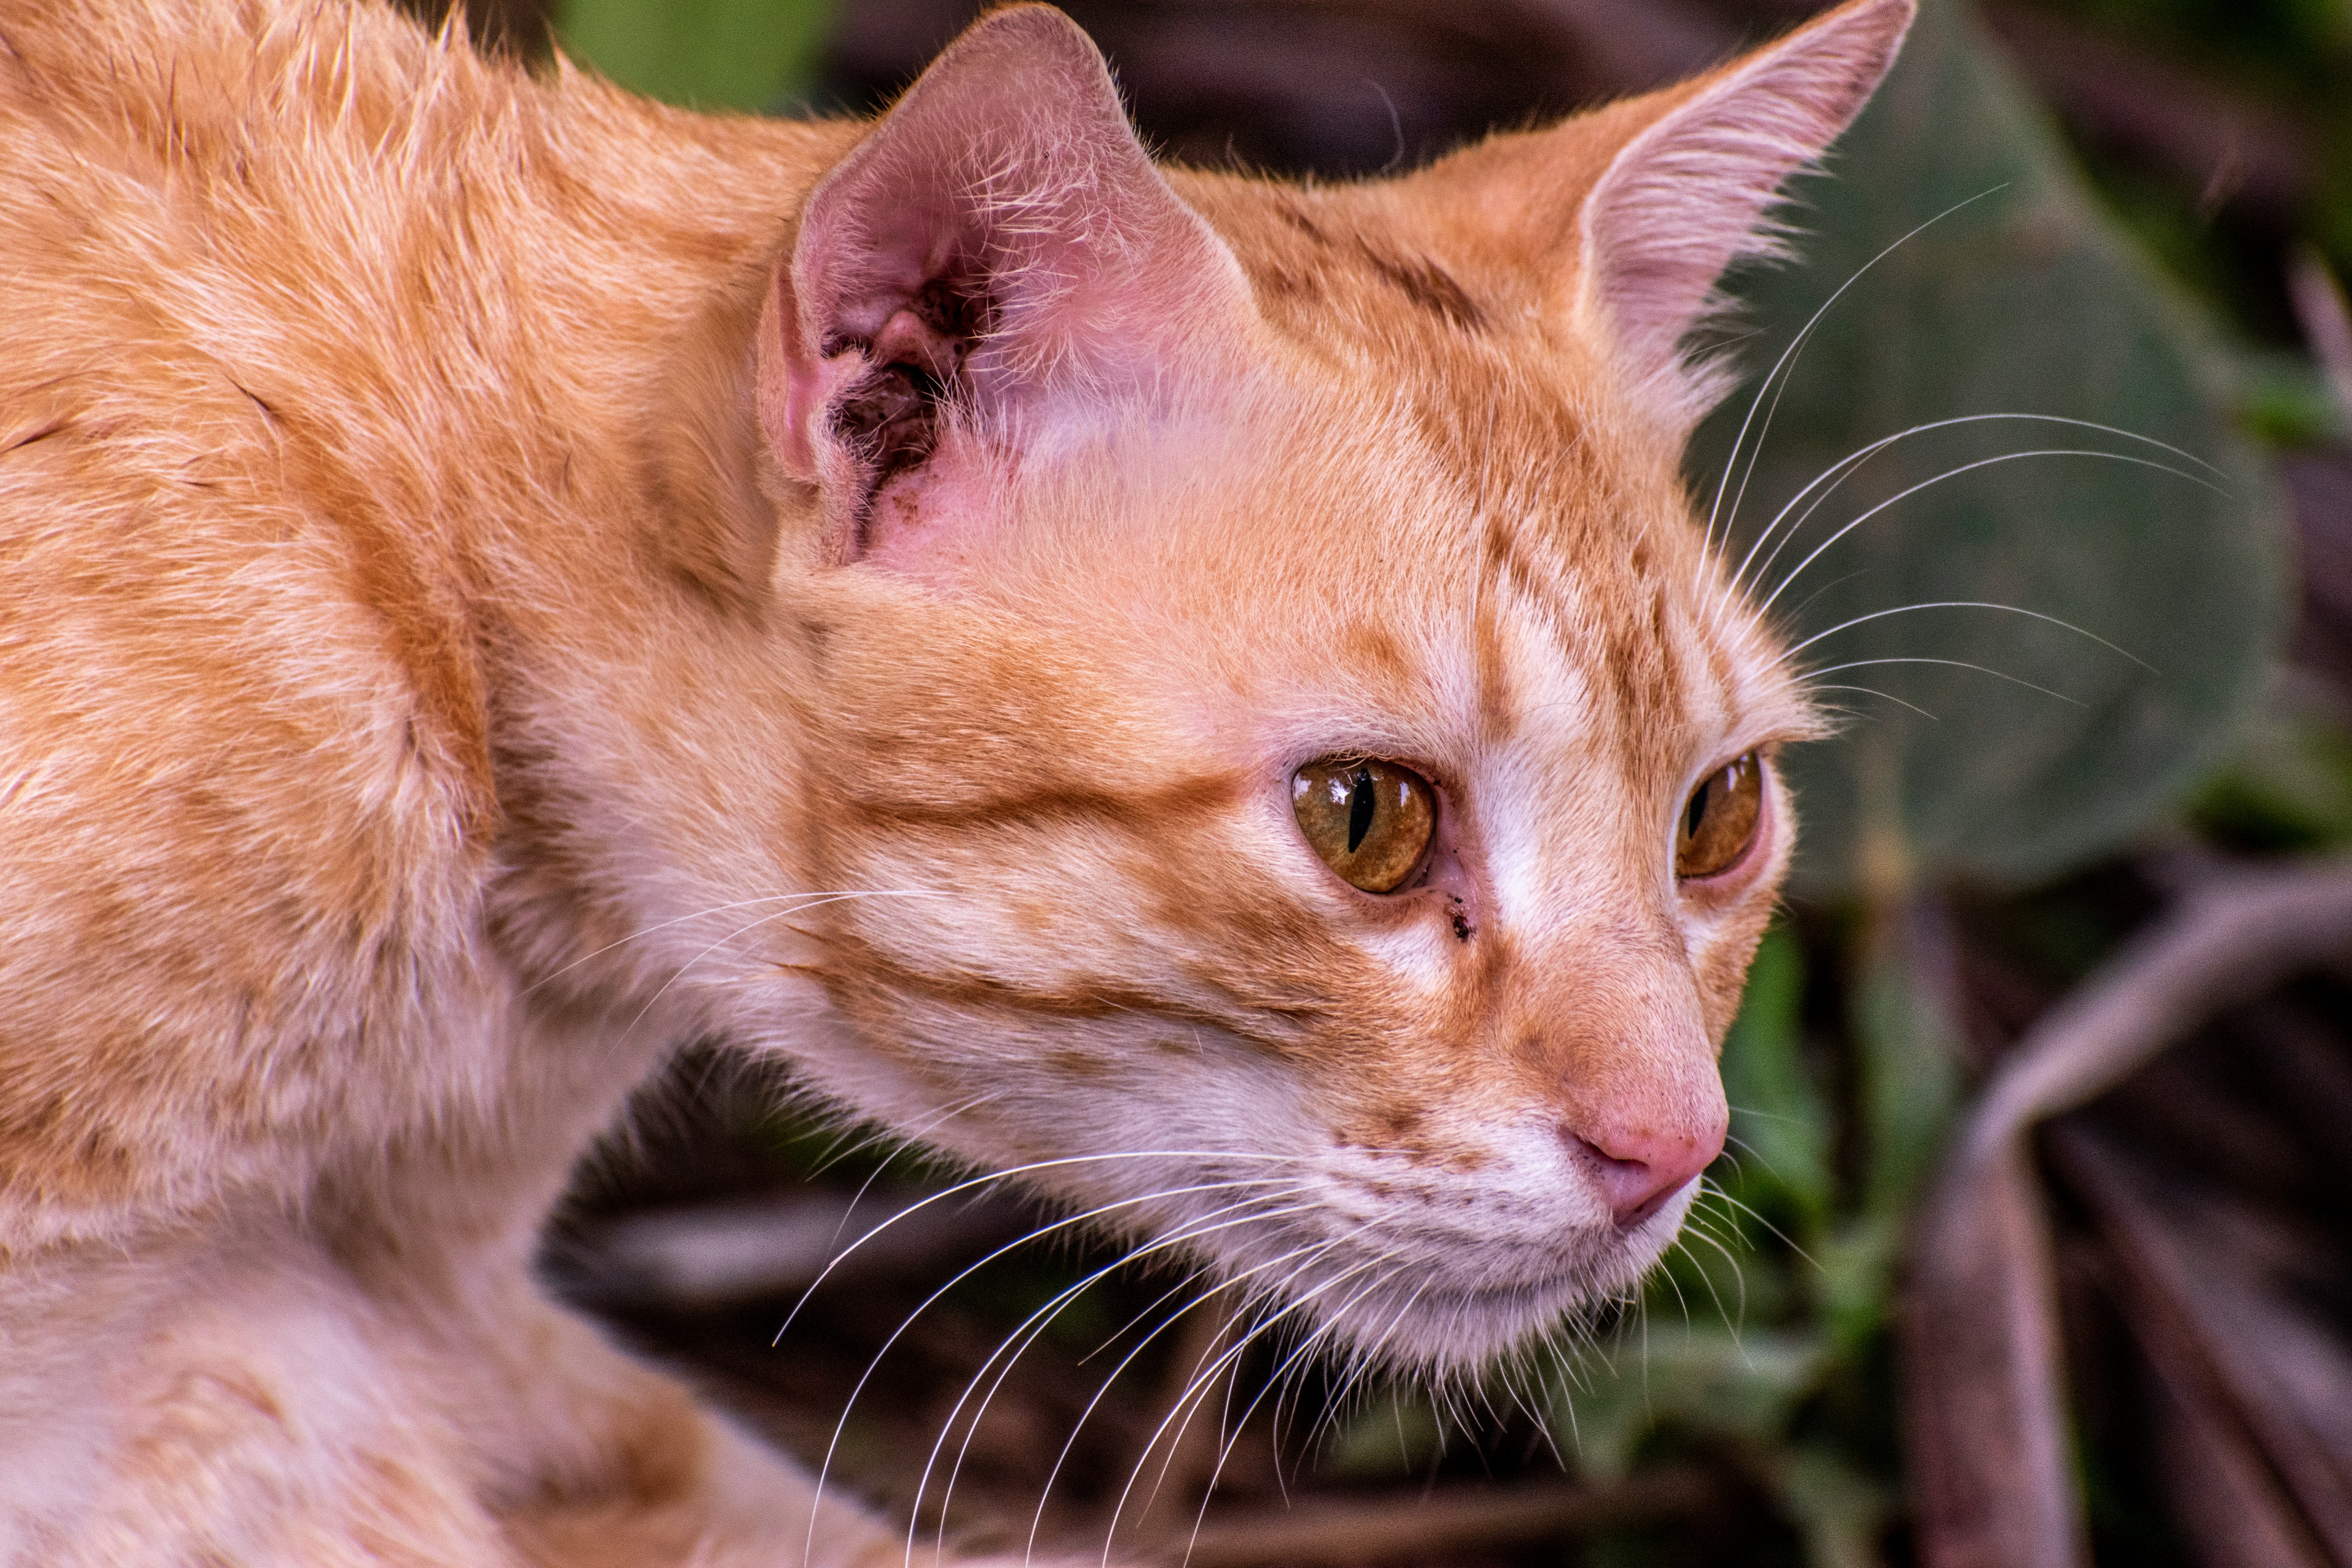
(1206, 688)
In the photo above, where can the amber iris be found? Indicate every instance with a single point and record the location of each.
(1371, 821)
(1718, 821)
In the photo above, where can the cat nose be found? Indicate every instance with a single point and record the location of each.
(1638, 1169)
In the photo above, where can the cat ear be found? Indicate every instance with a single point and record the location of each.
(1687, 178)
(998, 256)
(1692, 193)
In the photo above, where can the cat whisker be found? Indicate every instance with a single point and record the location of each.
(1044, 1492)
(1796, 612)
(1781, 1236)
(1787, 363)
(1526, 1394)
(1143, 1314)
(1958, 664)
(1328, 1329)
(1739, 1276)
(1360, 1360)
(1012, 1172)
(1738, 1150)
(1178, 1409)
(833, 1446)
(1956, 472)
(1016, 1343)
(907, 1142)
(1303, 1256)
(1306, 1347)
(1845, 468)
(1967, 605)
(1873, 691)
(856, 1138)
(1680, 1300)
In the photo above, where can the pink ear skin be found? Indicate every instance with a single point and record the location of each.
(1690, 194)
(1625, 216)
(996, 263)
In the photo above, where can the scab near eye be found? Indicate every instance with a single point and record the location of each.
(1718, 821)
(1371, 821)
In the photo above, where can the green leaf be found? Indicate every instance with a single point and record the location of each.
(1780, 1122)
(706, 54)
(1841, 1512)
(2022, 301)
(1692, 1378)
(1396, 1436)
(1911, 1051)
(2289, 787)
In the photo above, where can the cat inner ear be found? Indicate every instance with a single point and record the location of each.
(1693, 193)
(1658, 194)
(997, 263)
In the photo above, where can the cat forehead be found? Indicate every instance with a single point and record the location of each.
(1418, 504)
(1379, 267)
(1355, 572)
(1450, 409)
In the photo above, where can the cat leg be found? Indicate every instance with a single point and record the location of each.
(232, 1405)
(584, 1455)
(244, 1399)
(645, 1474)
(661, 1479)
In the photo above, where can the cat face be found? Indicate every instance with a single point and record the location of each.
(1171, 542)
(1489, 1086)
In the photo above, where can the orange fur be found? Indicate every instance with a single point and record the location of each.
(453, 657)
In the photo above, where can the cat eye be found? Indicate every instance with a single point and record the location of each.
(1371, 821)
(1718, 821)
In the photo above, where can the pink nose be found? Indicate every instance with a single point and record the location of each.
(1637, 1170)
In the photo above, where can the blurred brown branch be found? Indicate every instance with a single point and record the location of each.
(1984, 1396)
(1381, 1529)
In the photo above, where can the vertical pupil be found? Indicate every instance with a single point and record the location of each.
(1697, 813)
(1362, 801)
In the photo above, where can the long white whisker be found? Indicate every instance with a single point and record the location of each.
(1873, 691)
(1783, 1236)
(1788, 356)
(1013, 1173)
(1337, 1402)
(1230, 1435)
(1037, 1520)
(908, 1142)
(1837, 473)
(1036, 1324)
(1958, 664)
(1216, 1367)
(1955, 473)
(1257, 1331)
(1738, 1275)
(1305, 1348)
(826, 1470)
(1967, 604)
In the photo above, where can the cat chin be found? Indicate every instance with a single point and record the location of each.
(1440, 1320)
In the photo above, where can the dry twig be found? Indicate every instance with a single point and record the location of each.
(1983, 1403)
(1451, 1520)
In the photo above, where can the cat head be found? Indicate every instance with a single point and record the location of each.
(1284, 766)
